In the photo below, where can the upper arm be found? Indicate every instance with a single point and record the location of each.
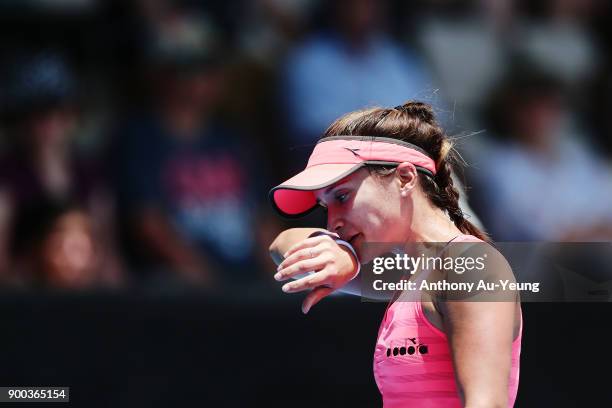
(480, 338)
(480, 329)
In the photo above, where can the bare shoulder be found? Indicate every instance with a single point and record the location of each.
(477, 289)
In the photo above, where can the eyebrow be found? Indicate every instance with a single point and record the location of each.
(330, 188)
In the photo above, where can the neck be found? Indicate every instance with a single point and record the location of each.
(431, 224)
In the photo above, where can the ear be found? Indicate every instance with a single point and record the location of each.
(408, 176)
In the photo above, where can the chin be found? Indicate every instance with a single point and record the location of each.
(365, 260)
(364, 256)
(366, 253)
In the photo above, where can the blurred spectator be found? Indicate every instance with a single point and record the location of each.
(188, 181)
(270, 27)
(561, 42)
(53, 244)
(40, 166)
(541, 180)
(267, 30)
(354, 64)
(467, 44)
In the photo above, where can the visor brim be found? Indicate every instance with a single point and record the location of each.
(295, 197)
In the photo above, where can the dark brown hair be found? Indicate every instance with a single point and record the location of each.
(413, 122)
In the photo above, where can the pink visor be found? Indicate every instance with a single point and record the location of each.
(336, 157)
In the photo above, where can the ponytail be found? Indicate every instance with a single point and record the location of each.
(446, 196)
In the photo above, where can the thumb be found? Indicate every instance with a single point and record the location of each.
(315, 296)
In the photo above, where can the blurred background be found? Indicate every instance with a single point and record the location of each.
(139, 139)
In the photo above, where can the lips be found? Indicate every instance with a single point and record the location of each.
(353, 239)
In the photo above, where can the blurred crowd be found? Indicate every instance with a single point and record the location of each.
(139, 139)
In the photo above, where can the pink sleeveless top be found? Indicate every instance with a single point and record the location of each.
(412, 359)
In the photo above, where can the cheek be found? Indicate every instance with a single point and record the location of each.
(378, 219)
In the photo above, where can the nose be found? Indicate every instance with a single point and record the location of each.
(334, 223)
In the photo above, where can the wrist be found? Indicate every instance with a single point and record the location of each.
(332, 235)
(347, 247)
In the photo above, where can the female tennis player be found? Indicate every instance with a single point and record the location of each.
(384, 175)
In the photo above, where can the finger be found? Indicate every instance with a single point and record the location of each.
(315, 296)
(309, 282)
(300, 267)
(306, 243)
(300, 255)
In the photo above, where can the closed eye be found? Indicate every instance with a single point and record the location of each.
(342, 197)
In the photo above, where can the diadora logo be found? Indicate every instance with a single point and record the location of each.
(411, 347)
(354, 151)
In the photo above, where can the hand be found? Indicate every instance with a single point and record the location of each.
(333, 265)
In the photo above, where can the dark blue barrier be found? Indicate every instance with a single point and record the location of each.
(256, 349)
